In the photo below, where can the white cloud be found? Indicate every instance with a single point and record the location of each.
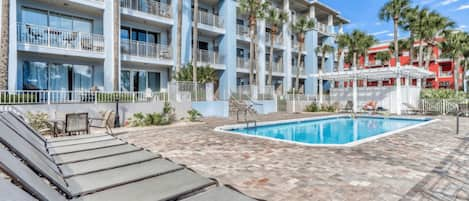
(379, 33)
(463, 7)
(462, 27)
(447, 2)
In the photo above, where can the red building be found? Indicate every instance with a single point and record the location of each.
(442, 67)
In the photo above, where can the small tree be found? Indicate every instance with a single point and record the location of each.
(324, 49)
(383, 56)
(276, 19)
(300, 27)
(204, 74)
(453, 46)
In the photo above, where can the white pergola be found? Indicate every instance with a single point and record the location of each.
(408, 72)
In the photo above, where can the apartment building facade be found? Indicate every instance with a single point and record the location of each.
(130, 45)
(443, 67)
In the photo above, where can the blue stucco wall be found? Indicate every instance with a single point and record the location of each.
(265, 107)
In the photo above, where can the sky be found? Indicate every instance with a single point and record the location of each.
(363, 14)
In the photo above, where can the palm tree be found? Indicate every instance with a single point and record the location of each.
(179, 38)
(384, 57)
(365, 45)
(116, 33)
(466, 62)
(420, 32)
(323, 50)
(341, 41)
(356, 42)
(300, 27)
(394, 9)
(434, 25)
(410, 23)
(195, 40)
(255, 10)
(453, 46)
(403, 45)
(4, 40)
(276, 19)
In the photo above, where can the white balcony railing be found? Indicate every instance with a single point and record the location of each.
(209, 57)
(8, 97)
(323, 28)
(277, 41)
(277, 66)
(210, 19)
(59, 38)
(148, 6)
(445, 74)
(242, 30)
(242, 63)
(375, 63)
(145, 49)
(294, 71)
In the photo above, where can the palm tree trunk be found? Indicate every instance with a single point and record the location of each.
(195, 41)
(4, 44)
(179, 38)
(252, 29)
(420, 56)
(428, 57)
(396, 44)
(354, 62)
(271, 58)
(323, 61)
(456, 74)
(411, 47)
(297, 80)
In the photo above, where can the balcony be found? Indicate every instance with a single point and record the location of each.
(147, 52)
(278, 41)
(323, 28)
(242, 63)
(30, 35)
(295, 70)
(445, 73)
(207, 57)
(148, 6)
(277, 66)
(210, 19)
(242, 32)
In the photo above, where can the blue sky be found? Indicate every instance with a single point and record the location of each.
(363, 14)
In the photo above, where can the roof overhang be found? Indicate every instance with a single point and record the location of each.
(377, 74)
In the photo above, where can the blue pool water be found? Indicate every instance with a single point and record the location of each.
(337, 130)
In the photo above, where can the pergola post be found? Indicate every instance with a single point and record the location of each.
(419, 83)
(398, 91)
(355, 92)
(321, 91)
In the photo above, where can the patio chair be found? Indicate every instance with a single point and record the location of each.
(411, 109)
(370, 106)
(348, 107)
(464, 109)
(105, 122)
(76, 123)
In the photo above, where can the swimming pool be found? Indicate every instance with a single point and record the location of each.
(328, 131)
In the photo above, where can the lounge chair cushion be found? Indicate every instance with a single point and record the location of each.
(219, 194)
(100, 164)
(10, 192)
(85, 147)
(28, 179)
(93, 182)
(94, 154)
(164, 187)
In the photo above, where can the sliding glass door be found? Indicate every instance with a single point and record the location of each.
(140, 81)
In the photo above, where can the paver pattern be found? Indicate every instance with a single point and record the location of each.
(425, 163)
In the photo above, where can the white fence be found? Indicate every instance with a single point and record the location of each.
(59, 38)
(21, 97)
(189, 91)
(253, 92)
(443, 106)
(386, 97)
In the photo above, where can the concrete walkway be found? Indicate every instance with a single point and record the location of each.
(425, 163)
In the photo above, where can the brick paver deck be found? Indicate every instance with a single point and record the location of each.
(425, 163)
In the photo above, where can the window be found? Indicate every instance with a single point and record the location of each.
(82, 77)
(203, 45)
(239, 52)
(125, 80)
(56, 20)
(139, 35)
(239, 21)
(35, 75)
(33, 16)
(125, 33)
(139, 81)
(154, 81)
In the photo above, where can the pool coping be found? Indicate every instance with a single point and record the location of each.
(227, 128)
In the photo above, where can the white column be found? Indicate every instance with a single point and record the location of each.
(12, 54)
(419, 83)
(111, 45)
(287, 54)
(321, 91)
(355, 94)
(398, 92)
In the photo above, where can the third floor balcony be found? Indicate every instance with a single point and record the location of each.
(277, 66)
(242, 31)
(210, 24)
(295, 70)
(278, 40)
(208, 57)
(146, 9)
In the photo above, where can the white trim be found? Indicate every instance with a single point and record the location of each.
(226, 129)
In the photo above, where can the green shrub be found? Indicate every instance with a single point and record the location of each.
(39, 121)
(313, 107)
(153, 119)
(193, 115)
(441, 94)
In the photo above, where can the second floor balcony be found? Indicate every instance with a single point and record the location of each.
(148, 6)
(295, 70)
(242, 63)
(145, 49)
(323, 28)
(210, 19)
(49, 37)
(277, 66)
(242, 31)
(208, 57)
